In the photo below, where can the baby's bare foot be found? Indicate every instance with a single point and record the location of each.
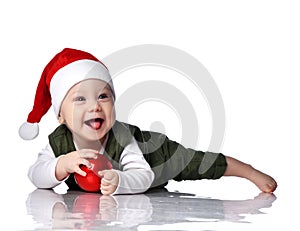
(263, 181)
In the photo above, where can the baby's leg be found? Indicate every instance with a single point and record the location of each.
(237, 168)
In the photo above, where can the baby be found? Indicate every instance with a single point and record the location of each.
(80, 89)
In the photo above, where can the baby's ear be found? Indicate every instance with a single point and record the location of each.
(61, 120)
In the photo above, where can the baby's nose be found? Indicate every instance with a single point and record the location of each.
(95, 106)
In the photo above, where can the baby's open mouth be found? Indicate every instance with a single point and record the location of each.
(94, 123)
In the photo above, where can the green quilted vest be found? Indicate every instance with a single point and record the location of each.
(168, 159)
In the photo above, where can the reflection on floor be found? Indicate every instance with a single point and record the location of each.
(156, 210)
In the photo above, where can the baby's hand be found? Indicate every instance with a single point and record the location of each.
(109, 181)
(70, 163)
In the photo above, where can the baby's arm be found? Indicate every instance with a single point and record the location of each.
(42, 172)
(49, 171)
(237, 168)
(136, 175)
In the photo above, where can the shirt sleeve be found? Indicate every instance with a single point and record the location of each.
(42, 172)
(136, 175)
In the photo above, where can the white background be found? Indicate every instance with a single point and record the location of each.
(251, 49)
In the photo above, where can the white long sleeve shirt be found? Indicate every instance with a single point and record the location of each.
(135, 176)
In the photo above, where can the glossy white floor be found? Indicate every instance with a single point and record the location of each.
(212, 205)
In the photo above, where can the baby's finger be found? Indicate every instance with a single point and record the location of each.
(106, 174)
(80, 172)
(108, 190)
(85, 162)
(88, 153)
(104, 183)
(105, 190)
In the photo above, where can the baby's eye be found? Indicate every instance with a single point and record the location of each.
(103, 96)
(79, 99)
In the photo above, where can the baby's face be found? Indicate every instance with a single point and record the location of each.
(88, 110)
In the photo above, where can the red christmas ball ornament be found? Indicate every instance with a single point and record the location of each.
(92, 181)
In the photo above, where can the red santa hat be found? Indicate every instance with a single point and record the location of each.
(67, 68)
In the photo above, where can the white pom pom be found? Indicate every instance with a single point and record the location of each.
(28, 131)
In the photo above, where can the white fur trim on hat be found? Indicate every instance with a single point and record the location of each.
(28, 131)
(65, 78)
